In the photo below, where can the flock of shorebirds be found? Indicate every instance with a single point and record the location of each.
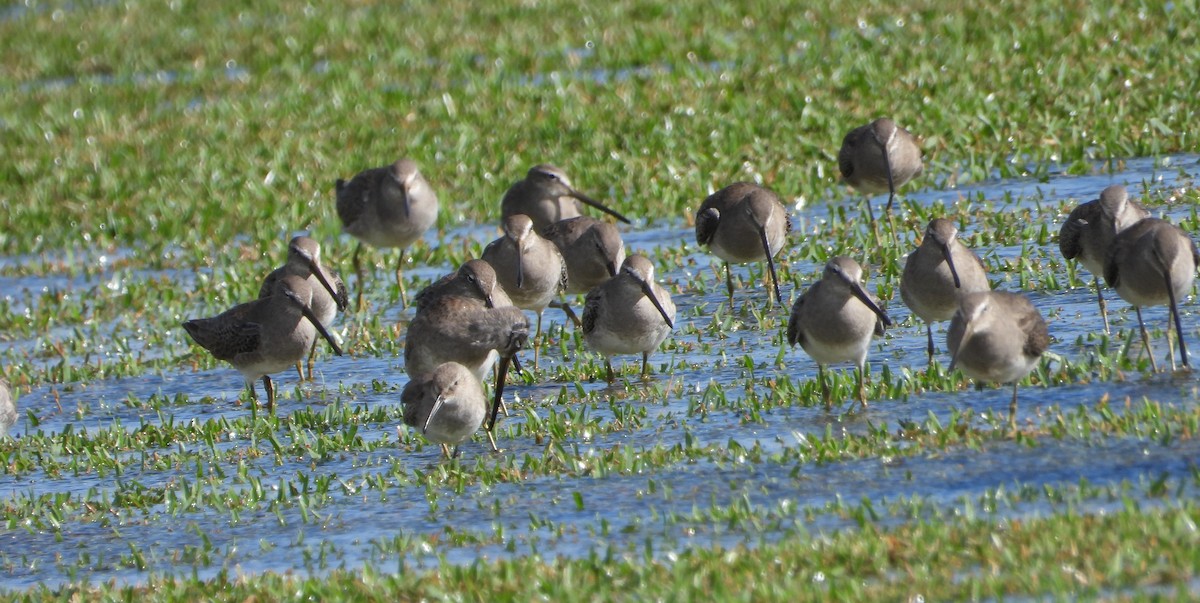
(473, 319)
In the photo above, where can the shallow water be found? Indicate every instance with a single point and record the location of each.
(622, 514)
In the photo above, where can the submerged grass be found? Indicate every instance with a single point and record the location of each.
(159, 154)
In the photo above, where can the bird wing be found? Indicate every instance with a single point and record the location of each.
(225, 336)
(846, 156)
(795, 329)
(707, 220)
(591, 310)
(353, 196)
(268, 283)
(1069, 234)
(1037, 337)
(1112, 269)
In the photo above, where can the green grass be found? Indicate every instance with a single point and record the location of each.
(157, 155)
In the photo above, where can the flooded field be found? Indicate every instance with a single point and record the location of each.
(727, 443)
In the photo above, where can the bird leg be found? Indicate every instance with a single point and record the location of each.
(929, 335)
(762, 235)
(270, 387)
(729, 283)
(824, 387)
(1178, 326)
(608, 365)
(358, 271)
(446, 451)
(1146, 339)
(312, 354)
(1012, 411)
(871, 216)
(1103, 306)
(1170, 348)
(862, 387)
(537, 343)
(645, 361)
(887, 159)
(400, 279)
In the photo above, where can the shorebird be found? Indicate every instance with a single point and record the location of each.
(546, 196)
(448, 406)
(8, 410)
(592, 250)
(1153, 263)
(877, 158)
(629, 313)
(264, 336)
(328, 290)
(940, 270)
(835, 319)
(466, 318)
(529, 268)
(390, 206)
(997, 336)
(1090, 229)
(741, 223)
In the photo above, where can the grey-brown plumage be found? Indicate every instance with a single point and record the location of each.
(628, 314)
(264, 336)
(468, 319)
(390, 206)
(879, 157)
(1153, 263)
(447, 404)
(8, 409)
(937, 273)
(529, 268)
(328, 291)
(1089, 231)
(592, 250)
(741, 223)
(546, 196)
(997, 336)
(835, 319)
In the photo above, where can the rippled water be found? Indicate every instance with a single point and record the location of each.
(621, 514)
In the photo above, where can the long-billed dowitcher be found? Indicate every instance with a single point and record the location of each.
(546, 196)
(328, 290)
(529, 268)
(8, 410)
(447, 404)
(389, 206)
(1090, 229)
(629, 313)
(592, 249)
(466, 318)
(879, 157)
(264, 336)
(835, 319)
(741, 223)
(940, 270)
(1153, 263)
(997, 336)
